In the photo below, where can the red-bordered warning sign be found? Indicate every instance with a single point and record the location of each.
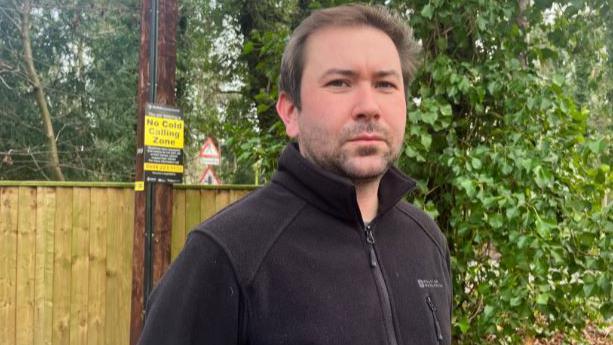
(209, 177)
(209, 154)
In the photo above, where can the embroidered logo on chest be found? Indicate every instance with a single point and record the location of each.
(429, 283)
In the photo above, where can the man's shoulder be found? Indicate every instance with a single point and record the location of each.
(263, 206)
(424, 222)
(247, 228)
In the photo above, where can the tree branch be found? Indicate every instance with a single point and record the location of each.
(24, 32)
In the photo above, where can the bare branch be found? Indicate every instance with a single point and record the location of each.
(4, 82)
(41, 170)
(38, 89)
(10, 17)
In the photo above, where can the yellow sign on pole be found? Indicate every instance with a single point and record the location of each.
(163, 132)
(164, 139)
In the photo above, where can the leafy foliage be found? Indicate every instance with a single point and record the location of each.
(86, 54)
(512, 171)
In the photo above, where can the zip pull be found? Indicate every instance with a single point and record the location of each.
(370, 239)
(373, 257)
(437, 325)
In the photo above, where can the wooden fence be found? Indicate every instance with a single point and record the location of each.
(66, 257)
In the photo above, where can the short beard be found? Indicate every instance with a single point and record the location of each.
(361, 178)
(337, 161)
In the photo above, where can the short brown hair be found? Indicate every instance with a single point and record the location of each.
(378, 17)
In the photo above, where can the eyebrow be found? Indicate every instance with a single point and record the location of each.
(352, 74)
(388, 73)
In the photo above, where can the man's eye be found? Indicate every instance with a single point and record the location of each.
(338, 83)
(385, 85)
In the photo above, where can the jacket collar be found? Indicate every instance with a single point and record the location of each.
(332, 193)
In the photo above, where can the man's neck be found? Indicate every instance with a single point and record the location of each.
(368, 200)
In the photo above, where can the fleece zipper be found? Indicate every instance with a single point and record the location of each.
(381, 286)
(437, 324)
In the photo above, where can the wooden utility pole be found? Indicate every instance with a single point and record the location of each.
(156, 84)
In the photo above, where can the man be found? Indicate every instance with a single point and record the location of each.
(327, 253)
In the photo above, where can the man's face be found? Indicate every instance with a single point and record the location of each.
(353, 102)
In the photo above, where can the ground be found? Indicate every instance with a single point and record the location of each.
(593, 335)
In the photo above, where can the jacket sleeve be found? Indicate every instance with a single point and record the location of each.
(198, 299)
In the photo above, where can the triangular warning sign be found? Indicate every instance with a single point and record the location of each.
(209, 177)
(209, 154)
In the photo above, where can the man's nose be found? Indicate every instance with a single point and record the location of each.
(366, 106)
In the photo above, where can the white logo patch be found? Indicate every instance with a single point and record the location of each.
(429, 283)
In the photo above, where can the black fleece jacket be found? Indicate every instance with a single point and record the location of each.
(293, 263)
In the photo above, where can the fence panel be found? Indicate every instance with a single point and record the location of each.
(66, 257)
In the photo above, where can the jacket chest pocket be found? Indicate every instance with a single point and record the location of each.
(436, 323)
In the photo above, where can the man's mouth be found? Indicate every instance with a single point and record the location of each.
(367, 137)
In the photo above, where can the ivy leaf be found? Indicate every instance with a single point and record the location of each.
(429, 117)
(511, 212)
(544, 228)
(492, 87)
(495, 221)
(248, 48)
(468, 186)
(597, 146)
(427, 11)
(463, 325)
(524, 241)
(488, 311)
(558, 80)
(446, 110)
(481, 23)
(542, 298)
(476, 163)
(426, 140)
(543, 177)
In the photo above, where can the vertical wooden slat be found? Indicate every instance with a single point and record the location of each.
(112, 317)
(222, 199)
(97, 266)
(233, 195)
(26, 272)
(80, 267)
(125, 239)
(207, 197)
(192, 210)
(43, 289)
(119, 266)
(178, 223)
(242, 193)
(237, 194)
(62, 272)
(9, 198)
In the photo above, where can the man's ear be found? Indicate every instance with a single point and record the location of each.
(288, 112)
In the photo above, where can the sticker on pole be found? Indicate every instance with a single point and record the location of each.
(209, 154)
(164, 139)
